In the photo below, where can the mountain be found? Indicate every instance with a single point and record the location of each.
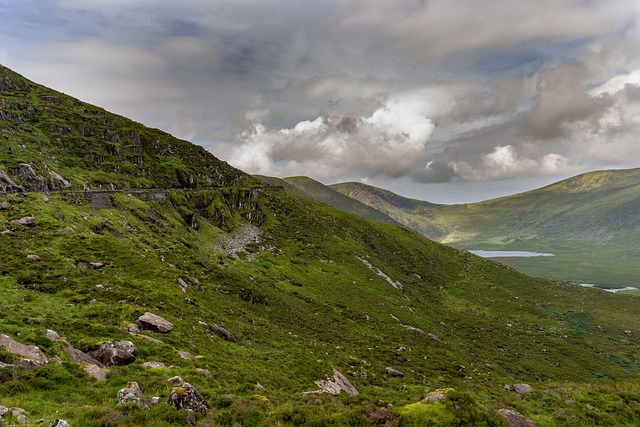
(591, 222)
(308, 187)
(267, 298)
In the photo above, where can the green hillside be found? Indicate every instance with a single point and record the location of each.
(591, 222)
(269, 293)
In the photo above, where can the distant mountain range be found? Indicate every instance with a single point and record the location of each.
(593, 218)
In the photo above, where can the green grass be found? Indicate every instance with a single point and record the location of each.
(300, 302)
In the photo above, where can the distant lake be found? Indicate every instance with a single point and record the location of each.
(508, 254)
(614, 290)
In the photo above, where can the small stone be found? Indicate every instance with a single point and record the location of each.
(34, 258)
(96, 265)
(133, 329)
(99, 286)
(155, 400)
(68, 230)
(154, 365)
(393, 372)
(516, 419)
(205, 372)
(59, 423)
(258, 385)
(45, 199)
(93, 301)
(8, 233)
(176, 380)
(522, 388)
(53, 335)
(4, 206)
(185, 355)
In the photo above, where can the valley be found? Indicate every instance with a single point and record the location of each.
(275, 308)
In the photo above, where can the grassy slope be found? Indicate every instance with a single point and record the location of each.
(307, 187)
(590, 222)
(300, 302)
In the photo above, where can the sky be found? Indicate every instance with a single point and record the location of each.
(440, 100)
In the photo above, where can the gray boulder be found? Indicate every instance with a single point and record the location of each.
(78, 356)
(223, 333)
(339, 384)
(185, 396)
(31, 353)
(115, 353)
(152, 322)
(131, 394)
(522, 388)
(26, 221)
(59, 423)
(4, 205)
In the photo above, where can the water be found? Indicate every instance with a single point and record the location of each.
(614, 290)
(508, 254)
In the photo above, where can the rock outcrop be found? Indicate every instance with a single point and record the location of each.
(153, 322)
(8, 185)
(339, 384)
(59, 423)
(32, 354)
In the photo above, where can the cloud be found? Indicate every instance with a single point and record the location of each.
(388, 142)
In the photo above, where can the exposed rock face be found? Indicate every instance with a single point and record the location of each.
(393, 372)
(223, 333)
(185, 396)
(152, 322)
(57, 182)
(516, 419)
(33, 181)
(27, 221)
(30, 352)
(522, 388)
(8, 185)
(339, 384)
(131, 394)
(115, 353)
(78, 356)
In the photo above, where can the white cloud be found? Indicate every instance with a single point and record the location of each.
(388, 142)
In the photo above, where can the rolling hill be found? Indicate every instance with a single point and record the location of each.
(271, 298)
(591, 222)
